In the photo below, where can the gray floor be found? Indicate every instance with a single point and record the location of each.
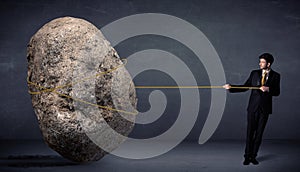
(275, 155)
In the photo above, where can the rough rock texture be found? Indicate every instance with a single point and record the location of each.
(69, 50)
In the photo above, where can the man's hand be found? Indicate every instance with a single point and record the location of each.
(264, 89)
(227, 86)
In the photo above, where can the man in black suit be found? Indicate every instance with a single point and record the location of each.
(264, 83)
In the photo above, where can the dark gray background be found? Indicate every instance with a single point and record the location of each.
(239, 30)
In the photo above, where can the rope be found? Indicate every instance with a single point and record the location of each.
(54, 90)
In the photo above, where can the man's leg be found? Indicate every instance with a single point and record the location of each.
(261, 124)
(251, 127)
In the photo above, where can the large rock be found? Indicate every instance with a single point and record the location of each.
(77, 118)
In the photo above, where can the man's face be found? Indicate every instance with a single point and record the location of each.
(263, 64)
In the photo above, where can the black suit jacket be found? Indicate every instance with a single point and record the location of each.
(259, 99)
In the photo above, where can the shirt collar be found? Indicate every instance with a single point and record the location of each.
(266, 70)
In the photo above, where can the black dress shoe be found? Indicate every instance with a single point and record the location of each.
(247, 161)
(254, 161)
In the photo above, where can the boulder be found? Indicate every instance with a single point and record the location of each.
(81, 93)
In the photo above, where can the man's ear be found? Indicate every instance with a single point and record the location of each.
(268, 65)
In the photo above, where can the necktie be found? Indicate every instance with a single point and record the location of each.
(263, 79)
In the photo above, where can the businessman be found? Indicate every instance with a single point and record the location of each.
(267, 82)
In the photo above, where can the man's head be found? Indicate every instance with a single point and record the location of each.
(265, 60)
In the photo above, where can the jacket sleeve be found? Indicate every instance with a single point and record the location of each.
(274, 89)
(246, 84)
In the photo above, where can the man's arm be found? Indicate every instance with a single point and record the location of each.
(274, 89)
(236, 90)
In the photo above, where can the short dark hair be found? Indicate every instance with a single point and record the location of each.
(268, 57)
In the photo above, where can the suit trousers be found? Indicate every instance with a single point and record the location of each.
(256, 123)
